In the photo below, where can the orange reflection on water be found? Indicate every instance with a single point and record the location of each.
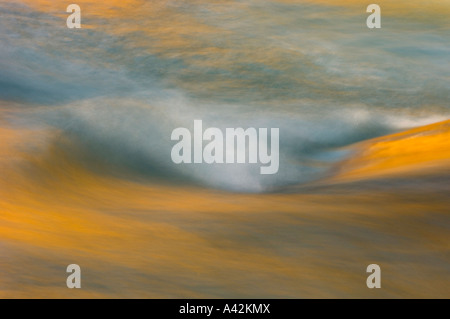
(145, 240)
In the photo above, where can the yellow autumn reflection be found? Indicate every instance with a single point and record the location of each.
(137, 240)
(86, 176)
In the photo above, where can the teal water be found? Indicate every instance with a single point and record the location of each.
(121, 84)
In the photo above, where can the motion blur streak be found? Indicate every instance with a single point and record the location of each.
(86, 174)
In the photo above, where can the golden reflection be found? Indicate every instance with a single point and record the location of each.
(143, 240)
